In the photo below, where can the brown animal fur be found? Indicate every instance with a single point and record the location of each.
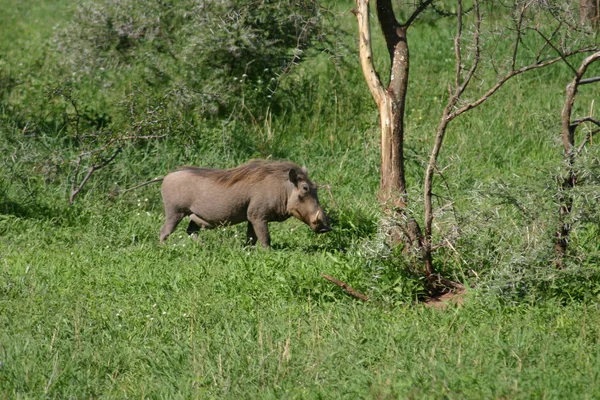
(250, 173)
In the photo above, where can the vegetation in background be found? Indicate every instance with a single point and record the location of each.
(488, 52)
(92, 306)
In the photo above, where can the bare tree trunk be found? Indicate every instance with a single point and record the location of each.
(391, 100)
(392, 184)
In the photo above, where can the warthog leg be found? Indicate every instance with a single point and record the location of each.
(250, 235)
(173, 219)
(193, 229)
(197, 223)
(261, 232)
(200, 222)
(171, 223)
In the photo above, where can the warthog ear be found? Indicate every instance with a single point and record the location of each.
(304, 170)
(293, 175)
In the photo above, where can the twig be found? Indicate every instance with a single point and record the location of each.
(350, 290)
(586, 119)
(518, 39)
(75, 190)
(543, 48)
(589, 80)
(510, 75)
(422, 6)
(548, 41)
(588, 139)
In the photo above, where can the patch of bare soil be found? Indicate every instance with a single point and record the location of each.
(455, 297)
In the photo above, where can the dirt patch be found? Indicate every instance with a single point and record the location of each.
(455, 297)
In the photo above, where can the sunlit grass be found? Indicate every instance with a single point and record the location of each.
(91, 305)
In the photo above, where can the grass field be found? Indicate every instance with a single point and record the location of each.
(92, 306)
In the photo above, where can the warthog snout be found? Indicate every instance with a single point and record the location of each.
(324, 229)
(320, 224)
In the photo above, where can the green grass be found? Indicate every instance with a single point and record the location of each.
(86, 314)
(88, 320)
(92, 306)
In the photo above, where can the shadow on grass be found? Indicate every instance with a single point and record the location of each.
(348, 226)
(27, 210)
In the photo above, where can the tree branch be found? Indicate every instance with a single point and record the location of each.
(420, 8)
(568, 128)
(510, 75)
(589, 80)
(585, 119)
(350, 290)
(103, 163)
(477, 54)
(519, 34)
(587, 139)
(366, 51)
(539, 54)
(554, 47)
(457, 45)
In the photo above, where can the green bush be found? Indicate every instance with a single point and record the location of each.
(211, 56)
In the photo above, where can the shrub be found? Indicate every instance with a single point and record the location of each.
(216, 56)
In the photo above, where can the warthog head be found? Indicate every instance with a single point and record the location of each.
(303, 203)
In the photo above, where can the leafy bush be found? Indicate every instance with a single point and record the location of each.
(213, 56)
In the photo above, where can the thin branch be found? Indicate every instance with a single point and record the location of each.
(76, 175)
(350, 290)
(587, 139)
(567, 127)
(91, 170)
(422, 6)
(476, 56)
(590, 135)
(366, 51)
(585, 119)
(507, 77)
(457, 45)
(448, 14)
(75, 191)
(539, 54)
(518, 38)
(589, 80)
(563, 57)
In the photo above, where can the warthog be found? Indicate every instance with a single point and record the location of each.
(258, 192)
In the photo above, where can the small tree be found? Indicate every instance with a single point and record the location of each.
(390, 99)
(549, 41)
(569, 128)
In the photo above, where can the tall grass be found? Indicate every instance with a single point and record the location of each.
(92, 306)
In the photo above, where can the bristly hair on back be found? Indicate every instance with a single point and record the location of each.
(251, 172)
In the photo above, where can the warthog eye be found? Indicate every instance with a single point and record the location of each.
(304, 189)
